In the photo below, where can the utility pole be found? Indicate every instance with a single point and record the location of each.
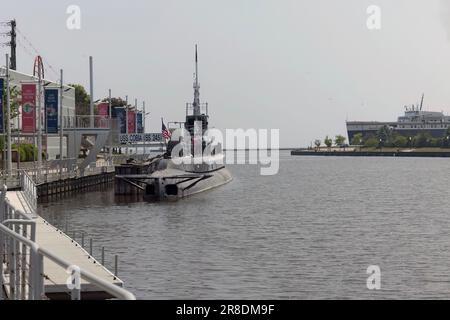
(126, 123)
(39, 104)
(8, 120)
(110, 126)
(136, 122)
(91, 79)
(13, 44)
(61, 125)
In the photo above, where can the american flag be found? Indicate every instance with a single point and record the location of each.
(165, 132)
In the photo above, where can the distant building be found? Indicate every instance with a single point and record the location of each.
(410, 124)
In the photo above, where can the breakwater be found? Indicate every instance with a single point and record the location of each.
(433, 154)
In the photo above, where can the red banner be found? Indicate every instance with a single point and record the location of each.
(131, 122)
(103, 114)
(28, 108)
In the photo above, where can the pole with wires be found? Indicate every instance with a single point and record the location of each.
(8, 120)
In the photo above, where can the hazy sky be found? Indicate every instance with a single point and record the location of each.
(302, 66)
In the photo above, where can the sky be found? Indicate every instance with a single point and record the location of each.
(301, 66)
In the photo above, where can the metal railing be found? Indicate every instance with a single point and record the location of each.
(29, 190)
(22, 273)
(87, 122)
(190, 109)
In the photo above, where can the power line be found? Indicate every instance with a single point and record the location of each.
(46, 64)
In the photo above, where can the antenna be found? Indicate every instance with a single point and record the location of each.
(421, 102)
(196, 103)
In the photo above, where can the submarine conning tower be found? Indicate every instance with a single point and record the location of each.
(196, 111)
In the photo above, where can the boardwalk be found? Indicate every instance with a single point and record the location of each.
(54, 240)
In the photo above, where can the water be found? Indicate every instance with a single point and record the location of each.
(309, 232)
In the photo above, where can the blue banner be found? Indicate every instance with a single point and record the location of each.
(140, 128)
(2, 91)
(51, 110)
(119, 114)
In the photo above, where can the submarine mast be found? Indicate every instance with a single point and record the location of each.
(196, 103)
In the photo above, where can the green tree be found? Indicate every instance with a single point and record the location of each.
(371, 142)
(317, 143)
(422, 140)
(400, 141)
(82, 100)
(436, 142)
(339, 140)
(328, 141)
(384, 134)
(357, 139)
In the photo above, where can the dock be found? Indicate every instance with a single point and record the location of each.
(53, 242)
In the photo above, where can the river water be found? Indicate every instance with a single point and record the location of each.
(309, 232)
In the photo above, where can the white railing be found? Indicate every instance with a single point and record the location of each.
(87, 122)
(22, 260)
(29, 190)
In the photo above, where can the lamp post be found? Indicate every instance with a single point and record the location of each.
(126, 123)
(61, 133)
(110, 126)
(136, 122)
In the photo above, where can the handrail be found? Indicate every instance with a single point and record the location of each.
(10, 227)
(112, 289)
(40, 252)
(29, 189)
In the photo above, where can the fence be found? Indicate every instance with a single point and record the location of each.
(22, 260)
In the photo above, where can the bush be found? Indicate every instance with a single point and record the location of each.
(400, 141)
(371, 142)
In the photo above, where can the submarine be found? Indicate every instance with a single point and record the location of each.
(193, 161)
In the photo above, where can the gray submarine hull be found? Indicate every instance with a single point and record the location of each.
(170, 181)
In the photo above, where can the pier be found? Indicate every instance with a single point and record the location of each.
(39, 261)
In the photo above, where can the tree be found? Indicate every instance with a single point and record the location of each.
(14, 100)
(339, 140)
(328, 142)
(400, 141)
(422, 140)
(82, 100)
(371, 142)
(384, 134)
(357, 139)
(317, 143)
(436, 142)
(14, 104)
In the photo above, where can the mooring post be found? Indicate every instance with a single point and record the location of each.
(90, 246)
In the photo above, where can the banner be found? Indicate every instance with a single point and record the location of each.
(140, 128)
(51, 98)
(119, 114)
(2, 91)
(131, 122)
(28, 108)
(101, 121)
